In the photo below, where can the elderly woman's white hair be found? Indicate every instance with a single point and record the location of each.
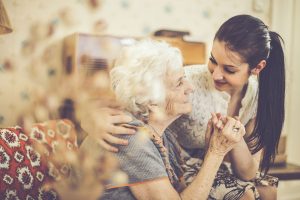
(138, 77)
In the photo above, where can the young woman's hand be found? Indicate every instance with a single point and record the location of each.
(104, 124)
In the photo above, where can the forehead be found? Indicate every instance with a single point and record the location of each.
(225, 56)
(173, 75)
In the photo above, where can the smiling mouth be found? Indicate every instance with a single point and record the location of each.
(218, 83)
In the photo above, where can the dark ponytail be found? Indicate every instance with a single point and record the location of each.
(270, 110)
(251, 39)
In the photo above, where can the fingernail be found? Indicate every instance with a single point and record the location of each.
(133, 131)
(115, 150)
(125, 142)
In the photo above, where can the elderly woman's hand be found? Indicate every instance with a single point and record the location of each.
(103, 124)
(223, 133)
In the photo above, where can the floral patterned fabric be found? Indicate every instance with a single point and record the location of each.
(226, 185)
(23, 168)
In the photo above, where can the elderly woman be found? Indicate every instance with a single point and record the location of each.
(148, 79)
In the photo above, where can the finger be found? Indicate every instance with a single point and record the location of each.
(218, 115)
(237, 118)
(223, 119)
(233, 134)
(229, 126)
(236, 124)
(240, 126)
(107, 147)
(120, 130)
(242, 130)
(115, 140)
(219, 124)
(214, 118)
(208, 130)
(114, 111)
(120, 119)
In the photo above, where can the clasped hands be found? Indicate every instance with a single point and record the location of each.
(223, 133)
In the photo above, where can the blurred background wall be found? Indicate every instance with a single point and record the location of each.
(33, 50)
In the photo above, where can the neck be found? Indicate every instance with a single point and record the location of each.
(160, 125)
(236, 101)
(239, 92)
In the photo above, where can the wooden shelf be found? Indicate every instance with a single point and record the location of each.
(286, 172)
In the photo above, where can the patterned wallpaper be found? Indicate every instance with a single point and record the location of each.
(30, 57)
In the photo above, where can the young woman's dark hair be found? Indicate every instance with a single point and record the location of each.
(250, 38)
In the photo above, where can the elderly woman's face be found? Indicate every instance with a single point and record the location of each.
(178, 90)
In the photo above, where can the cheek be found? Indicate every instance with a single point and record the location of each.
(169, 105)
(175, 105)
(173, 102)
(237, 81)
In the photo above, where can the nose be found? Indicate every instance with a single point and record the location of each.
(217, 73)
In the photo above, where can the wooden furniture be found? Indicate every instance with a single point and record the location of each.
(281, 157)
(193, 52)
(282, 169)
(285, 172)
(91, 52)
(94, 52)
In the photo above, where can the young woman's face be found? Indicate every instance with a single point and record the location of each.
(229, 72)
(178, 89)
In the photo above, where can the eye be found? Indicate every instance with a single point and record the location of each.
(180, 83)
(229, 70)
(213, 61)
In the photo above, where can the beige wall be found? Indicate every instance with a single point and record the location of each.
(34, 48)
(294, 91)
(288, 25)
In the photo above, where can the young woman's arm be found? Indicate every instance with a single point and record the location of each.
(106, 125)
(244, 164)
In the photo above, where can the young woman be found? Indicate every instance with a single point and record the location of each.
(245, 77)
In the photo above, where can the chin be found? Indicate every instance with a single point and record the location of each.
(187, 109)
(180, 109)
(221, 89)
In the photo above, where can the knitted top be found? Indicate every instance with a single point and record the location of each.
(190, 129)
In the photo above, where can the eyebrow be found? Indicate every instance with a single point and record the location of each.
(212, 56)
(231, 66)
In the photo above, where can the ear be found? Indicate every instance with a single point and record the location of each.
(260, 66)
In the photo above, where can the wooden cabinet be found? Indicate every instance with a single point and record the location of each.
(87, 53)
